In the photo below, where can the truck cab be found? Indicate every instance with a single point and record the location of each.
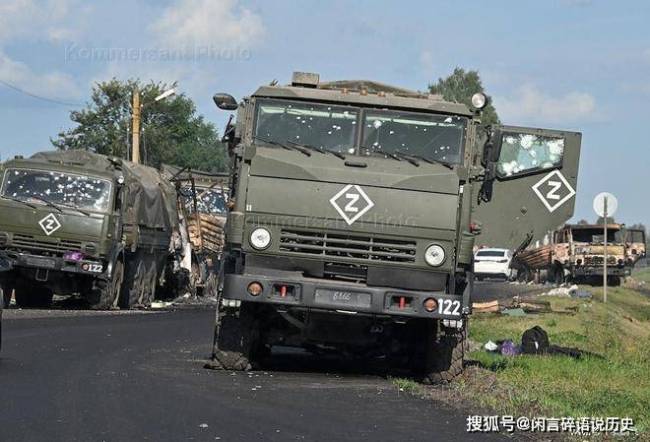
(352, 220)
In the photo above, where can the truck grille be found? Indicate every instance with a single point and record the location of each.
(357, 247)
(600, 260)
(27, 242)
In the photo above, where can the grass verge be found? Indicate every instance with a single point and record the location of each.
(618, 384)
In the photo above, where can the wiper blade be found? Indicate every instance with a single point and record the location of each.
(18, 200)
(425, 159)
(75, 208)
(47, 203)
(284, 146)
(317, 149)
(58, 206)
(397, 156)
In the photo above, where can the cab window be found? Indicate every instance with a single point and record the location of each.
(523, 153)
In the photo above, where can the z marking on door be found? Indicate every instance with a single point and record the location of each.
(553, 190)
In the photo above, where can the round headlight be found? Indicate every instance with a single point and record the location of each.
(260, 238)
(434, 255)
(479, 100)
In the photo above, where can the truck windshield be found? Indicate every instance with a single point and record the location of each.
(435, 137)
(323, 126)
(78, 191)
(596, 235)
(208, 201)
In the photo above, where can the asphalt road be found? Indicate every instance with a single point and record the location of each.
(85, 376)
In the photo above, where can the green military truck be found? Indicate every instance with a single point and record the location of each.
(77, 222)
(356, 207)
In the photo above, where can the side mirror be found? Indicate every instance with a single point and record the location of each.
(225, 101)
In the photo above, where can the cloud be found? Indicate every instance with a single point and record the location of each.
(44, 19)
(208, 22)
(52, 84)
(530, 104)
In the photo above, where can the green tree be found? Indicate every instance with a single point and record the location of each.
(459, 87)
(610, 220)
(172, 131)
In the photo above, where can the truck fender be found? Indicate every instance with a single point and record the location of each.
(116, 253)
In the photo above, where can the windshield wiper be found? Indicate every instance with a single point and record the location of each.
(58, 206)
(18, 200)
(425, 159)
(317, 149)
(284, 146)
(397, 156)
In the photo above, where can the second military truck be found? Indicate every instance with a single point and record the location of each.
(353, 219)
(77, 222)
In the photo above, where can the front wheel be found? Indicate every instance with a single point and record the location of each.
(444, 355)
(237, 339)
(105, 294)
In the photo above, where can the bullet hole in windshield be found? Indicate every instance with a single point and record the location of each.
(78, 191)
(521, 153)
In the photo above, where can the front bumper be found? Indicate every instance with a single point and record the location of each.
(598, 271)
(54, 264)
(341, 296)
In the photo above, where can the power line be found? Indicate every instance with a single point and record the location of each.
(38, 97)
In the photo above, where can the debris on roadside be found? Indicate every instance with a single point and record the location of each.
(535, 341)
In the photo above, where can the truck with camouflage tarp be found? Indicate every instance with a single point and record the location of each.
(201, 201)
(576, 253)
(355, 208)
(78, 222)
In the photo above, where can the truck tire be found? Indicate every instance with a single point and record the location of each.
(105, 294)
(445, 355)
(134, 283)
(237, 339)
(7, 292)
(150, 285)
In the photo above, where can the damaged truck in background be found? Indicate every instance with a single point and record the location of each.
(576, 253)
(202, 206)
(77, 222)
(355, 209)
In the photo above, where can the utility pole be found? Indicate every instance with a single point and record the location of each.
(135, 126)
(605, 252)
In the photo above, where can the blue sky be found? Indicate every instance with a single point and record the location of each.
(567, 64)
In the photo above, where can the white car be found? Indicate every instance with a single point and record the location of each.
(492, 263)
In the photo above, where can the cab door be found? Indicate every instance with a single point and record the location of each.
(534, 186)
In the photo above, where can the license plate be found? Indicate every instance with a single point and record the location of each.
(40, 262)
(342, 298)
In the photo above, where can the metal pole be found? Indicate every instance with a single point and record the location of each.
(605, 253)
(135, 155)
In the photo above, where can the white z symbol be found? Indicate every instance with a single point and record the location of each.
(353, 197)
(555, 186)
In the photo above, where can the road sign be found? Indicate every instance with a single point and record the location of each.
(605, 205)
(599, 204)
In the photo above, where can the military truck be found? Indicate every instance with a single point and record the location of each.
(355, 212)
(201, 201)
(575, 253)
(77, 222)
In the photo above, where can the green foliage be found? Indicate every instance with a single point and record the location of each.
(171, 130)
(459, 87)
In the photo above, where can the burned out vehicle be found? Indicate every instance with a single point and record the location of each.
(576, 253)
(77, 222)
(355, 215)
(201, 201)
(635, 245)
